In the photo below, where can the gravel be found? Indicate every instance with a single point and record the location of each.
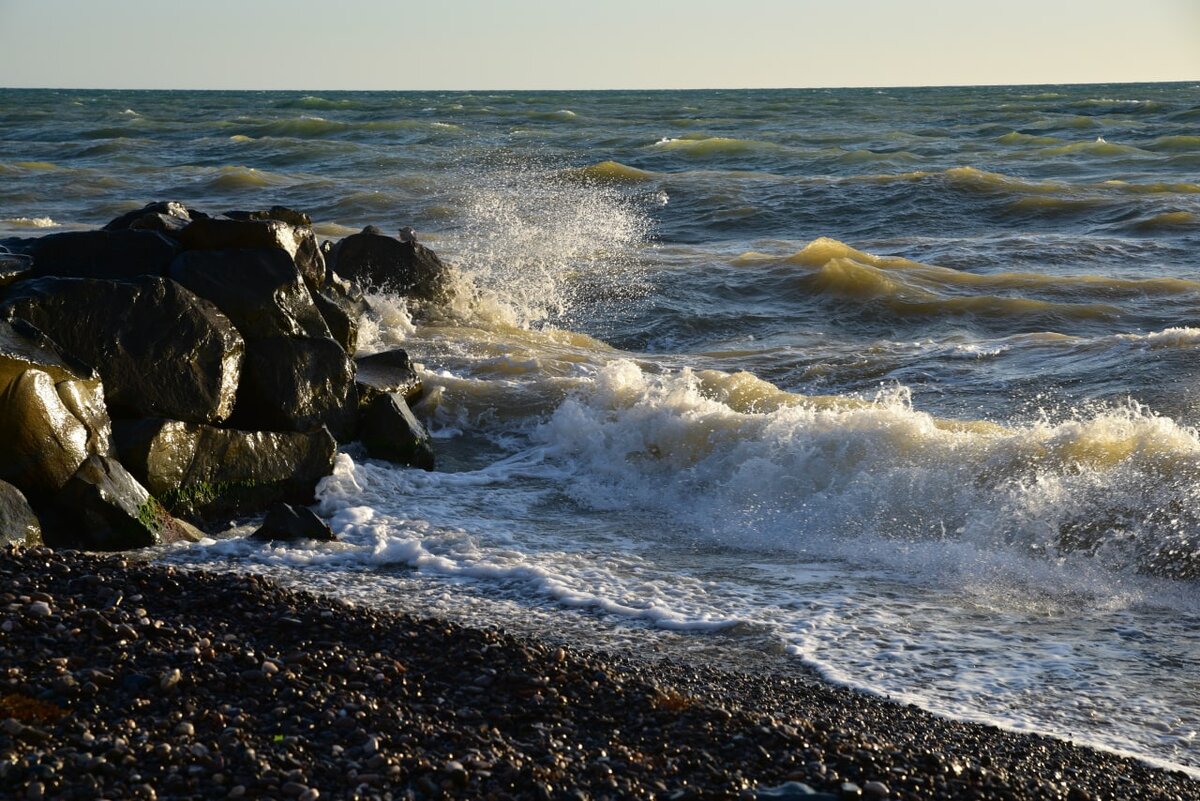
(127, 680)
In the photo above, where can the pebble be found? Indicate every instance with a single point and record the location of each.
(876, 789)
(38, 609)
(185, 729)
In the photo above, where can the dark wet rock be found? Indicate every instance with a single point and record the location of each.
(793, 791)
(201, 471)
(160, 349)
(102, 254)
(102, 507)
(342, 306)
(390, 371)
(281, 213)
(261, 291)
(165, 217)
(385, 263)
(298, 243)
(287, 523)
(52, 413)
(295, 377)
(297, 384)
(18, 522)
(389, 430)
(14, 267)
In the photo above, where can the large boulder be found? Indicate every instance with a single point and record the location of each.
(103, 508)
(390, 431)
(388, 264)
(102, 254)
(389, 371)
(298, 242)
(52, 413)
(295, 377)
(201, 471)
(297, 384)
(261, 291)
(287, 523)
(18, 523)
(160, 350)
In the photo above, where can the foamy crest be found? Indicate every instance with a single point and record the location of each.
(536, 246)
(386, 324)
(801, 473)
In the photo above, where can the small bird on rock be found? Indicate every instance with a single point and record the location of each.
(408, 235)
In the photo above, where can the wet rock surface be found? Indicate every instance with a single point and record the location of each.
(18, 522)
(202, 471)
(287, 523)
(52, 413)
(125, 680)
(123, 253)
(389, 430)
(102, 507)
(386, 263)
(159, 349)
(390, 371)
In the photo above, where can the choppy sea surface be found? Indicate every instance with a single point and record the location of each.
(901, 385)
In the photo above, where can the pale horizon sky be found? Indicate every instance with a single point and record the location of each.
(573, 44)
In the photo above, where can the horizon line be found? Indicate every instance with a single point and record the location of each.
(610, 89)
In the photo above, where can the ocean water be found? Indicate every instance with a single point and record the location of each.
(901, 386)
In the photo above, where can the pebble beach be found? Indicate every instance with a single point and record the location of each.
(123, 679)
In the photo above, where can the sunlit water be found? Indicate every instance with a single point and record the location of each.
(896, 384)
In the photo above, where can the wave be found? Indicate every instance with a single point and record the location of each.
(613, 171)
(30, 222)
(316, 102)
(1018, 138)
(235, 178)
(702, 145)
(722, 453)
(1169, 221)
(913, 288)
(1175, 144)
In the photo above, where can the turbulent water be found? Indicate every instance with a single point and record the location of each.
(900, 385)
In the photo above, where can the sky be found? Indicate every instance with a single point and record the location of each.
(593, 44)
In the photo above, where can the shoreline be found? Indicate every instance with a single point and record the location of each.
(127, 679)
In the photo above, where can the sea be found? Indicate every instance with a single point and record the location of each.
(899, 388)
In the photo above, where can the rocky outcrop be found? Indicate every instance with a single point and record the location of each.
(160, 350)
(295, 376)
(103, 508)
(216, 233)
(52, 414)
(18, 523)
(387, 264)
(286, 523)
(390, 431)
(102, 254)
(222, 348)
(201, 471)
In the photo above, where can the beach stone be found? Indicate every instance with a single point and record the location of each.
(390, 371)
(18, 522)
(202, 471)
(876, 789)
(120, 327)
(385, 263)
(103, 508)
(297, 242)
(154, 214)
(287, 523)
(792, 790)
(102, 254)
(390, 431)
(52, 412)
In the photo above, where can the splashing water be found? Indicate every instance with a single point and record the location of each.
(537, 245)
